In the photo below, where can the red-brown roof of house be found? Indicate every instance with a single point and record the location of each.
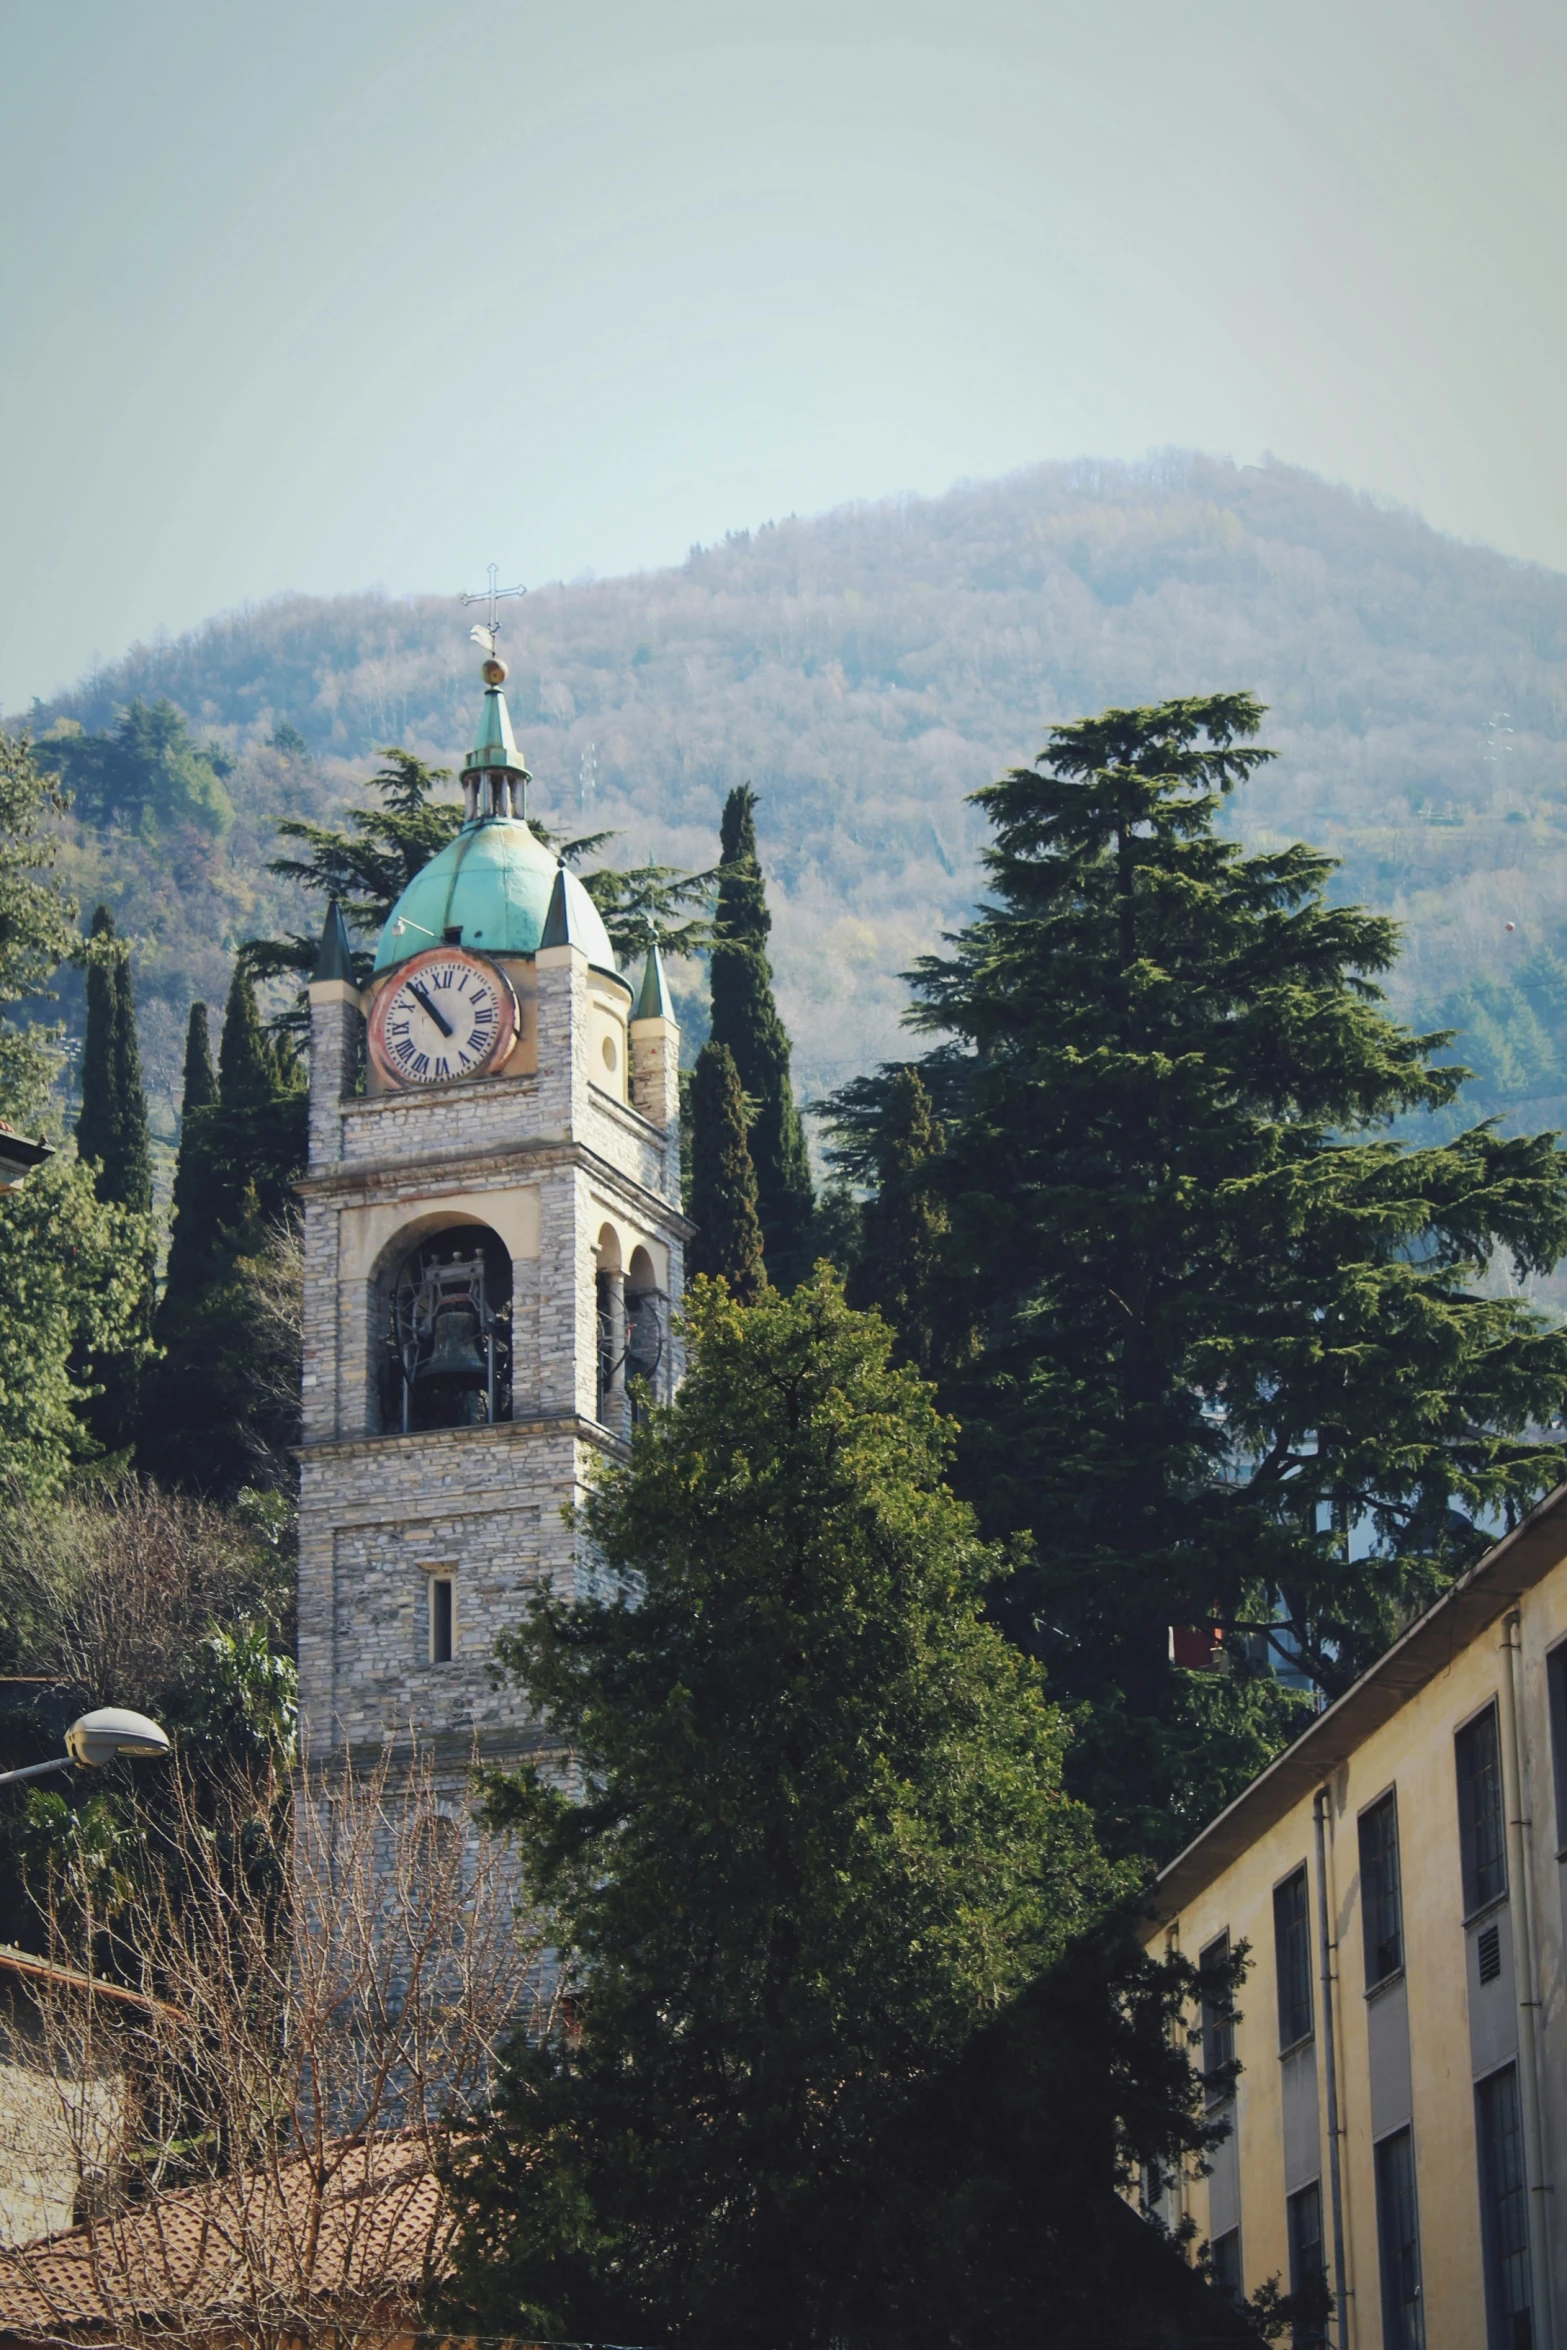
(263, 2240)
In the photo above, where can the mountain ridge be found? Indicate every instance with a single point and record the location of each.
(868, 668)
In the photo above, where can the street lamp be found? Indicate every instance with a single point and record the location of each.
(98, 1738)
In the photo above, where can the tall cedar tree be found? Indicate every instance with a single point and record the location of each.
(903, 1221)
(813, 1844)
(210, 1422)
(111, 1135)
(1238, 1352)
(745, 1018)
(368, 864)
(728, 1241)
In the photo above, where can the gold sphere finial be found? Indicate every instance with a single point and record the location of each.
(494, 671)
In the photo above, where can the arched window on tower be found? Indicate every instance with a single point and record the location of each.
(449, 1341)
(647, 1311)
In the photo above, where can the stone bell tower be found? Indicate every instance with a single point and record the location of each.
(493, 1247)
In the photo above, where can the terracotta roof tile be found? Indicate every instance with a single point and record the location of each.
(260, 2240)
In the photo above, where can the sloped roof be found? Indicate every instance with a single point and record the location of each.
(1516, 1563)
(262, 2240)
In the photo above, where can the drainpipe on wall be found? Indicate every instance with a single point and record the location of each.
(1335, 2182)
(1521, 1877)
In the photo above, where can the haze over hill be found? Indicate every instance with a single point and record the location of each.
(868, 668)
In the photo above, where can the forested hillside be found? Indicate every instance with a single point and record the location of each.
(868, 668)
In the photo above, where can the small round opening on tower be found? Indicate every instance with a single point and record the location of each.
(449, 1344)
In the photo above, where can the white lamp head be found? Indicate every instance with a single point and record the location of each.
(102, 1736)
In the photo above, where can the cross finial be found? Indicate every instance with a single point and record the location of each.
(487, 633)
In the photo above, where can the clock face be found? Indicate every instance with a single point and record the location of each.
(448, 1014)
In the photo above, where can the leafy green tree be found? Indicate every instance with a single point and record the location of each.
(73, 1277)
(147, 772)
(1239, 1363)
(37, 926)
(904, 1220)
(728, 1241)
(72, 1266)
(745, 1018)
(811, 1844)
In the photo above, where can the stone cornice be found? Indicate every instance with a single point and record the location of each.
(490, 1435)
(455, 1169)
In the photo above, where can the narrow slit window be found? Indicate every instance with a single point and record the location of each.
(1556, 1683)
(1477, 1751)
(1308, 2268)
(1381, 1893)
(1398, 2242)
(441, 1613)
(1504, 2210)
(1218, 2019)
(1292, 1954)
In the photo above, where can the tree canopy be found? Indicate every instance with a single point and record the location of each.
(811, 1842)
(1226, 1347)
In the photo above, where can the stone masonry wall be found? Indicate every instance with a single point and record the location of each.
(547, 1161)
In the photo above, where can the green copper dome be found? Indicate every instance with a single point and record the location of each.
(490, 888)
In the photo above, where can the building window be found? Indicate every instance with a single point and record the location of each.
(1225, 2253)
(1292, 1956)
(1218, 2018)
(1308, 2268)
(1381, 1894)
(441, 1611)
(1504, 2211)
(1556, 1681)
(1481, 1837)
(1398, 2240)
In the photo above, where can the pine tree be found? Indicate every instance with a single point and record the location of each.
(194, 1224)
(903, 1221)
(728, 1242)
(745, 1018)
(1241, 1362)
(815, 1845)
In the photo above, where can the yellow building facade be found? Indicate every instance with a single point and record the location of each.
(1395, 2072)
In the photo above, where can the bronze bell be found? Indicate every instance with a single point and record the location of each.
(455, 1353)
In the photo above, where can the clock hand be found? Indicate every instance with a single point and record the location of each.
(440, 1019)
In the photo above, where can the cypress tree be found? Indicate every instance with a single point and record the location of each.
(903, 1221)
(745, 1018)
(112, 1128)
(194, 1226)
(728, 1243)
(212, 1425)
(111, 1134)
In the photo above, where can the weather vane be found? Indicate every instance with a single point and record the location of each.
(485, 633)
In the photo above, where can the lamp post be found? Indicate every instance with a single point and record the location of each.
(97, 1738)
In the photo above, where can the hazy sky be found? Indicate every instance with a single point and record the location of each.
(363, 292)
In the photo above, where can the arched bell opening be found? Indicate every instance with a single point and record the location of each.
(609, 1285)
(647, 1314)
(448, 1344)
